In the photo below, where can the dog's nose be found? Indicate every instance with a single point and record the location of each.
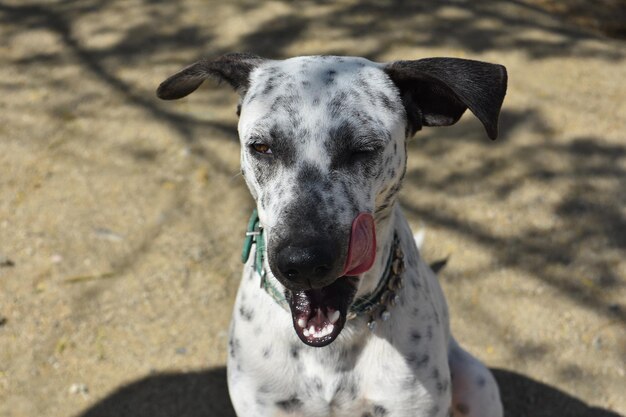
(306, 266)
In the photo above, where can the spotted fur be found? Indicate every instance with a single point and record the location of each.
(336, 131)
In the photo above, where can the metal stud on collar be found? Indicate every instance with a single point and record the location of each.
(389, 298)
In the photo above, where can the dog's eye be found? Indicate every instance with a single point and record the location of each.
(363, 153)
(261, 148)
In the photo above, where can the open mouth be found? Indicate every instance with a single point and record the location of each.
(320, 314)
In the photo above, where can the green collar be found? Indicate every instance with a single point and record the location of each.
(376, 304)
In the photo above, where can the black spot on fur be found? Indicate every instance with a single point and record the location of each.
(462, 408)
(246, 313)
(337, 103)
(290, 405)
(442, 386)
(422, 361)
(416, 336)
(348, 386)
(267, 352)
(308, 174)
(268, 87)
(380, 411)
(386, 102)
(233, 347)
(330, 77)
(294, 351)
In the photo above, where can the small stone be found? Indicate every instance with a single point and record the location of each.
(78, 388)
(181, 351)
(5, 262)
(597, 343)
(614, 308)
(107, 234)
(56, 258)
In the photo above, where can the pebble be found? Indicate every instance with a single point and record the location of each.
(597, 343)
(5, 261)
(181, 351)
(78, 388)
(107, 234)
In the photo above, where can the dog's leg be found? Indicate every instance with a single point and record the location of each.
(474, 389)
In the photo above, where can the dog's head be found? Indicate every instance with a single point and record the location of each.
(323, 153)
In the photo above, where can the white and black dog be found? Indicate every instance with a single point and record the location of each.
(337, 314)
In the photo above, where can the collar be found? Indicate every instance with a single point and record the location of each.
(375, 305)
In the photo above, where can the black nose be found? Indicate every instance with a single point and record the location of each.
(308, 266)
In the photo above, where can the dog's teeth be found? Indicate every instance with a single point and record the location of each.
(334, 316)
(312, 329)
(301, 323)
(305, 332)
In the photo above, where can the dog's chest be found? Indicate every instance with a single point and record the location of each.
(271, 372)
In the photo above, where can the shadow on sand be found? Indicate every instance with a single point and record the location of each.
(204, 394)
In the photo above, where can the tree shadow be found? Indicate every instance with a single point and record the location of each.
(456, 25)
(204, 394)
(194, 394)
(525, 397)
(591, 226)
(465, 28)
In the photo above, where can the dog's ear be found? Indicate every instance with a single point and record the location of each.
(437, 91)
(234, 68)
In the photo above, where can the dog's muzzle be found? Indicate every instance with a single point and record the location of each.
(319, 294)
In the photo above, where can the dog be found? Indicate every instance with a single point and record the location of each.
(337, 314)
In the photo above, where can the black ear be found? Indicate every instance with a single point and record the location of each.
(437, 91)
(233, 68)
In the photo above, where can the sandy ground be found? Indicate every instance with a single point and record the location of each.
(121, 217)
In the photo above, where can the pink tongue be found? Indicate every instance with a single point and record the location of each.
(362, 247)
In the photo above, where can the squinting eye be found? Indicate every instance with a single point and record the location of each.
(362, 153)
(261, 148)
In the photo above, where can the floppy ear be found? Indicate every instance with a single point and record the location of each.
(437, 91)
(234, 68)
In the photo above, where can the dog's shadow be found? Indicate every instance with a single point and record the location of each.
(204, 394)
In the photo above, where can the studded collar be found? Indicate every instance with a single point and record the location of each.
(375, 305)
